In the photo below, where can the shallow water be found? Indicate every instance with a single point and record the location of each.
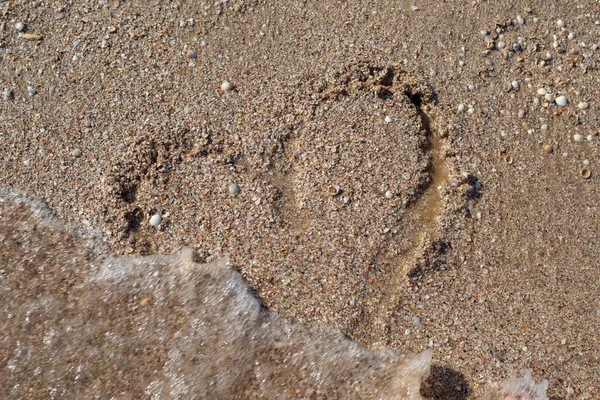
(81, 324)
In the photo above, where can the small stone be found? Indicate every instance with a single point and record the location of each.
(226, 86)
(561, 101)
(155, 220)
(586, 163)
(549, 98)
(517, 47)
(388, 119)
(501, 45)
(417, 321)
(233, 188)
(515, 84)
(590, 138)
(462, 108)
(76, 153)
(578, 138)
(471, 110)
(389, 194)
(31, 91)
(570, 391)
(548, 149)
(571, 36)
(189, 53)
(542, 92)
(20, 27)
(560, 23)
(520, 20)
(583, 105)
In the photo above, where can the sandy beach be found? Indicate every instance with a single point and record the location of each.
(419, 177)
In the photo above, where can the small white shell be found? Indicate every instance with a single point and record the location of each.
(226, 86)
(155, 220)
(561, 101)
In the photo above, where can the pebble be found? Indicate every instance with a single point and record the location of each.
(549, 98)
(389, 194)
(226, 86)
(31, 91)
(76, 153)
(417, 321)
(590, 138)
(388, 119)
(155, 220)
(8, 95)
(561, 101)
(189, 53)
(586, 163)
(462, 108)
(560, 23)
(233, 188)
(583, 105)
(20, 27)
(515, 84)
(578, 138)
(548, 149)
(571, 36)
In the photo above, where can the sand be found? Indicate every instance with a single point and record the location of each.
(493, 265)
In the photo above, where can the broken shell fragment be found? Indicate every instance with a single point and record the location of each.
(31, 36)
(508, 158)
(334, 190)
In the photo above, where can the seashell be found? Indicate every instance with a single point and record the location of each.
(508, 158)
(585, 173)
(334, 190)
(31, 36)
